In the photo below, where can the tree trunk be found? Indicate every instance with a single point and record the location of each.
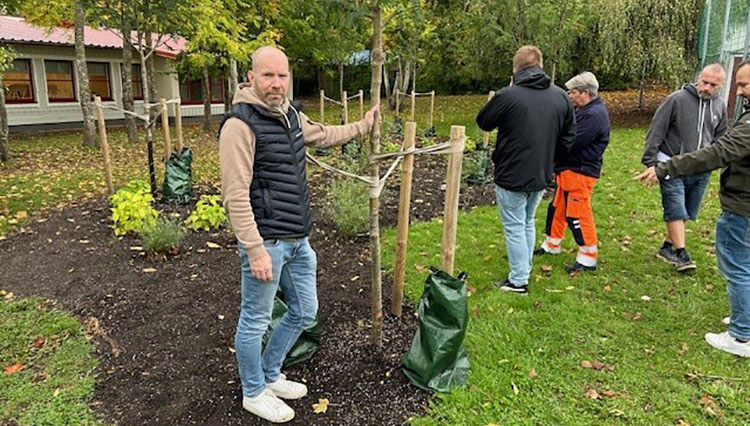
(84, 91)
(127, 80)
(377, 70)
(234, 80)
(387, 85)
(4, 152)
(640, 88)
(406, 78)
(147, 99)
(206, 100)
(228, 95)
(414, 77)
(341, 78)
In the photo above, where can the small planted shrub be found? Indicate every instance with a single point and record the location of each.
(348, 206)
(208, 215)
(131, 208)
(161, 236)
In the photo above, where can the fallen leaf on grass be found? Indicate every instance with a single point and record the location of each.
(22, 214)
(645, 298)
(13, 368)
(8, 295)
(533, 373)
(321, 406)
(212, 245)
(39, 342)
(547, 269)
(586, 364)
(515, 388)
(609, 393)
(684, 348)
(607, 288)
(709, 405)
(592, 393)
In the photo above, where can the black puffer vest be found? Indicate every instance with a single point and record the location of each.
(278, 192)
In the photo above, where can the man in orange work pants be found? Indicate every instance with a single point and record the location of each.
(577, 171)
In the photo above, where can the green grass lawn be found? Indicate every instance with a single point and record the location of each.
(658, 370)
(48, 364)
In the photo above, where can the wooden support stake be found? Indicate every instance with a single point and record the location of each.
(178, 125)
(452, 188)
(322, 106)
(486, 135)
(361, 104)
(402, 234)
(105, 144)
(432, 109)
(165, 127)
(345, 108)
(398, 101)
(413, 106)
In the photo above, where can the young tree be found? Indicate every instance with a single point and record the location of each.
(53, 13)
(6, 62)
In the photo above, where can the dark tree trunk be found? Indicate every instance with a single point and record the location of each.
(84, 91)
(206, 100)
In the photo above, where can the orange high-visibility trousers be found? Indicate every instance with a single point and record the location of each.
(571, 208)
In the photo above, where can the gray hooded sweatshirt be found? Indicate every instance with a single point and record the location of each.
(684, 123)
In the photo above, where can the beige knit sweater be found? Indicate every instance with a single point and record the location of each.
(237, 155)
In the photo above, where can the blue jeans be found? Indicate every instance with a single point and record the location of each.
(517, 211)
(681, 197)
(733, 255)
(294, 268)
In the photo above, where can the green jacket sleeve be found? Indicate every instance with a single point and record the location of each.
(731, 147)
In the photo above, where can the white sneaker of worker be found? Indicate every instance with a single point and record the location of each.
(725, 342)
(268, 406)
(726, 320)
(287, 389)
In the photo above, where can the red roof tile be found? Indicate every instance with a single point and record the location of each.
(17, 30)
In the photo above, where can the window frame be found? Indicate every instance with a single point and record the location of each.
(109, 80)
(72, 79)
(33, 99)
(136, 97)
(212, 81)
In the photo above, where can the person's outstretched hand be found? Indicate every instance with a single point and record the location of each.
(370, 116)
(648, 177)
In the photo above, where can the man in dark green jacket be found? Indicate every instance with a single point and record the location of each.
(731, 152)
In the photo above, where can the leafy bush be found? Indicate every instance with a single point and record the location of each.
(470, 145)
(161, 236)
(131, 208)
(348, 206)
(476, 168)
(209, 214)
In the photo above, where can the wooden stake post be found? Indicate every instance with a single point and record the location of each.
(345, 107)
(165, 127)
(452, 188)
(322, 106)
(105, 144)
(402, 234)
(486, 135)
(398, 101)
(178, 124)
(413, 105)
(361, 104)
(432, 108)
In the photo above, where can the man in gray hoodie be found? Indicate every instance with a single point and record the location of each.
(687, 120)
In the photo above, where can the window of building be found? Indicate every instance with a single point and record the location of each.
(99, 80)
(137, 82)
(60, 81)
(191, 92)
(19, 83)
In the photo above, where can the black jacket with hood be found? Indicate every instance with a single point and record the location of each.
(533, 118)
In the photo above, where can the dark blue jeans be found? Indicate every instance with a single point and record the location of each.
(681, 197)
(733, 255)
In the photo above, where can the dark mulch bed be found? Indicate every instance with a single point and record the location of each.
(175, 326)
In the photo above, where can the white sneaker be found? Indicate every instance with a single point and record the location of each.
(268, 406)
(725, 342)
(287, 389)
(726, 320)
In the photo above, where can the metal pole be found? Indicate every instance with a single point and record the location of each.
(707, 27)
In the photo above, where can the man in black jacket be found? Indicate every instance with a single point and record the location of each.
(577, 171)
(533, 118)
